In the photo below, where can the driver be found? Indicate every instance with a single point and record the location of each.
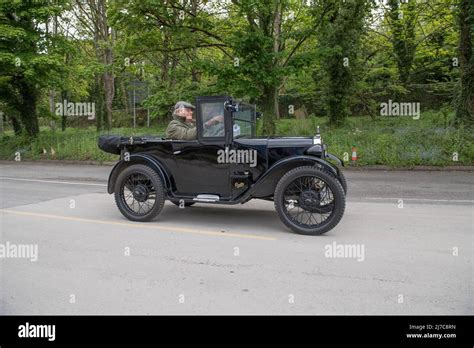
(182, 126)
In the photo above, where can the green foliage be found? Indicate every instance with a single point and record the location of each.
(339, 44)
(243, 48)
(333, 58)
(72, 144)
(402, 20)
(28, 61)
(394, 141)
(465, 97)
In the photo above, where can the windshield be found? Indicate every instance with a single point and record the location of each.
(210, 110)
(244, 121)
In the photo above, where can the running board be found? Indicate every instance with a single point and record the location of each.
(206, 198)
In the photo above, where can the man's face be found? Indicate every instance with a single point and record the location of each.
(186, 113)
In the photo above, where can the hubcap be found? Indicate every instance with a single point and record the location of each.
(140, 193)
(310, 200)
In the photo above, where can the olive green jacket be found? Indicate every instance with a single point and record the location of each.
(179, 130)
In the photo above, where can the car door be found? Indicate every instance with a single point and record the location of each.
(198, 164)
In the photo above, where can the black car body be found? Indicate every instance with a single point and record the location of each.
(229, 165)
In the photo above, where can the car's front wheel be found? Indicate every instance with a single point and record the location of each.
(139, 193)
(309, 200)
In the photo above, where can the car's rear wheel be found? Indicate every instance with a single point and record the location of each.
(309, 200)
(139, 193)
(186, 204)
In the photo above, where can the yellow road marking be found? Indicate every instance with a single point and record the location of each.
(138, 224)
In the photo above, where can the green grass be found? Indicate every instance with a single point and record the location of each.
(72, 144)
(393, 141)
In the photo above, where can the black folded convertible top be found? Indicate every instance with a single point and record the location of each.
(114, 143)
(110, 143)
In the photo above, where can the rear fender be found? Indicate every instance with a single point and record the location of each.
(145, 159)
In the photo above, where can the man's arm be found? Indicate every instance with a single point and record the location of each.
(214, 120)
(178, 132)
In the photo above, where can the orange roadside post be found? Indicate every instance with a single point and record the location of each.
(354, 153)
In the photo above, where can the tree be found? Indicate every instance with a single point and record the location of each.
(253, 45)
(339, 41)
(93, 15)
(267, 45)
(465, 100)
(402, 21)
(26, 67)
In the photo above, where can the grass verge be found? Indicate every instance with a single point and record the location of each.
(393, 141)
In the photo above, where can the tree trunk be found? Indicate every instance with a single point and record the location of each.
(465, 102)
(52, 92)
(103, 42)
(403, 37)
(64, 96)
(276, 103)
(109, 90)
(99, 101)
(52, 108)
(28, 109)
(269, 110)
(276, 50)
(1, 123)
(16, 125)
(124, 96)
(195, 75)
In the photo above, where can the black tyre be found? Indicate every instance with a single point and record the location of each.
(343, 181)
(139, 193)
(340, 177)
(186, 204)
(309, 200)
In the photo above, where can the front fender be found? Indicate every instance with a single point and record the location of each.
(265, 185)
(138, 159)
(335, 158)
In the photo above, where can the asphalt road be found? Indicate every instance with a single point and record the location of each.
(417, 253)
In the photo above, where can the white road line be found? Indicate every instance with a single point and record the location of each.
(53, 182)
(368, 198)
(423, 199)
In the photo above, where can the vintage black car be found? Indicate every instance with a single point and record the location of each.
(228, 164)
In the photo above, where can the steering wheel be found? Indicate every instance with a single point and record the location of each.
(216, 130)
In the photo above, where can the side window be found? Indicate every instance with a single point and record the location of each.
(212, 124)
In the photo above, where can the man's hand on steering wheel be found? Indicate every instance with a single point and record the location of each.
(215, 120)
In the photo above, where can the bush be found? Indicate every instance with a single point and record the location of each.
(394, 141)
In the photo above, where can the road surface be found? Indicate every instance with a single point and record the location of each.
(413, 231)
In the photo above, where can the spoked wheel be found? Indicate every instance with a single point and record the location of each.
(309, 200)
(139, 193)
